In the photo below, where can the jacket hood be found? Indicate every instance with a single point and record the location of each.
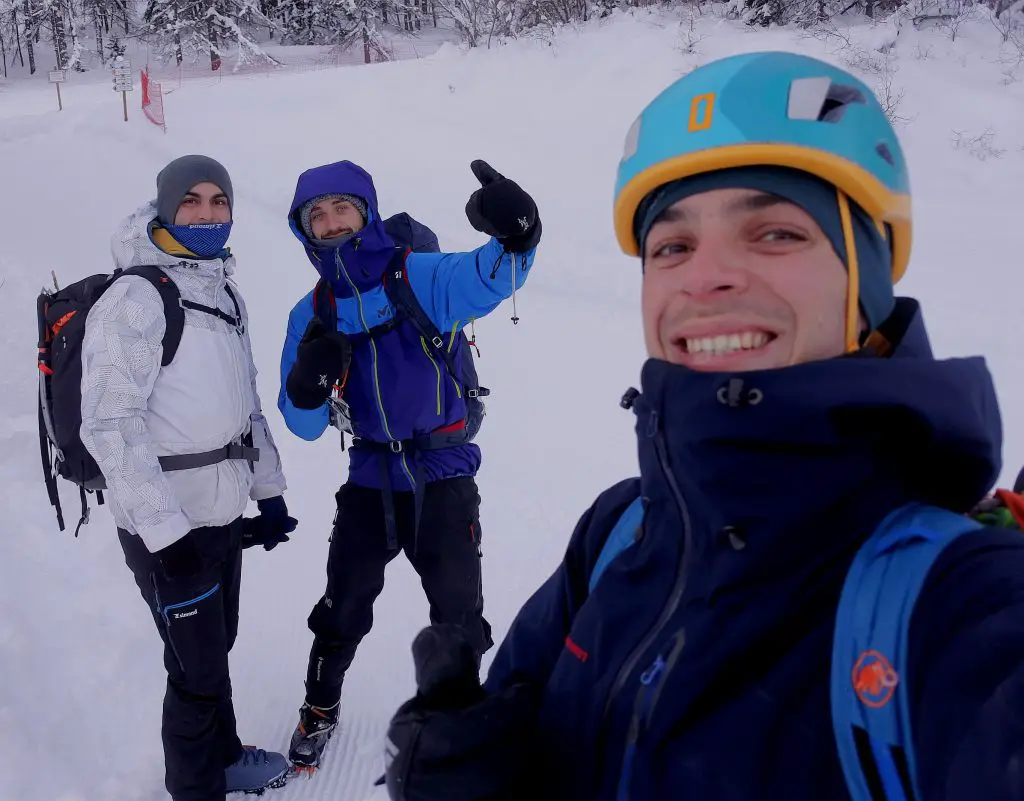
(132, 245)
(358, 262)
(779, 454)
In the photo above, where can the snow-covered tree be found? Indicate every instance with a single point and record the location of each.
(315, 21)
(366, 30)
(198, 28)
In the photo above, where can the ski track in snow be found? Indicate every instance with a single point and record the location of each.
(81, 678)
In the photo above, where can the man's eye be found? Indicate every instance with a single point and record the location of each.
(782, 235)
(672, 249)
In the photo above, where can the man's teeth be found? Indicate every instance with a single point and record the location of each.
(727, 343)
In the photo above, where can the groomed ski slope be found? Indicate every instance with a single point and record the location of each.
(81, 679)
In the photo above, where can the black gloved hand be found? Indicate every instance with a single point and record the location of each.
(452, 741)
(323, 358)
(502, 209)
(271, 527)
(181, 559)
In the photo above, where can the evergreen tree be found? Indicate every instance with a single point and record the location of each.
(207, 28)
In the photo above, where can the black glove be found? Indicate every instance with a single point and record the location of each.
(181, 559)
(452, 741)
(322, 359)
(272, 525)
(500, 208)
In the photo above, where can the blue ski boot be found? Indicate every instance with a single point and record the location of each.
(256, 771)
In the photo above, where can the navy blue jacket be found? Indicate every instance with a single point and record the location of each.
(398, 388)
(759, 488)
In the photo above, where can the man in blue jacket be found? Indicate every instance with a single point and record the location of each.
(411, 484)
(790, 404)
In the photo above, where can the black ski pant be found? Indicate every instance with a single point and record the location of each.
(444, 551)
(197, 618)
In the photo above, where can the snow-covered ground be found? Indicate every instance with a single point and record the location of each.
(81, 679)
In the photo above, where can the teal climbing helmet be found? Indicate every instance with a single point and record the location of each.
(776, 109)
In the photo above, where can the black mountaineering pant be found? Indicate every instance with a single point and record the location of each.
(444, 551)
(197, 618)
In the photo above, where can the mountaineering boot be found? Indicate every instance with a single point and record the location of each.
(311, 735)
(256, 770)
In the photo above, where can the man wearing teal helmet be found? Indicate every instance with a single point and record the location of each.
(790, 601)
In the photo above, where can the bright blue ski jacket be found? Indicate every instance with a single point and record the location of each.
(397, 389)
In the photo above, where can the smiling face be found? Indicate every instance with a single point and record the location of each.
(333, 218)
(736, 280)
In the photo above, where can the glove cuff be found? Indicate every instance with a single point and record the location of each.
(273, 507)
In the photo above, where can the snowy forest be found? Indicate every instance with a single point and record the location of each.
(87, 34)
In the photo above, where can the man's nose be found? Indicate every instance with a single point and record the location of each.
(711, 271)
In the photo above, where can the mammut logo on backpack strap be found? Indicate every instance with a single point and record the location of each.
(874, 679)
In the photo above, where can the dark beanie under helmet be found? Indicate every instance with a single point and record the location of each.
(816, 197)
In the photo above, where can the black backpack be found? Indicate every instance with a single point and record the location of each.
(409, 235)
(61, 316)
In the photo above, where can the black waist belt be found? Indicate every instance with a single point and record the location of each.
(188, 461)
(434, 441)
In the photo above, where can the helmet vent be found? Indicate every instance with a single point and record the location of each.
(882, 149)
(821, 100)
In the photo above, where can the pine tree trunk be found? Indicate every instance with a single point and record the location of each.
(3, 50)
(366, 39)
(28, 40)
(99, 36)
(211, 34)
(70, 27)
(60, 45)
(17, 34)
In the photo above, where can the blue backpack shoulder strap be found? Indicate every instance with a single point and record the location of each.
(871, 713)
(622, 536)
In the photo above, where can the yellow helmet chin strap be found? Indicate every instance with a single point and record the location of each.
(852, 275)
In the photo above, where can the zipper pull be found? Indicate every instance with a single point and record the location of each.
(650, 675)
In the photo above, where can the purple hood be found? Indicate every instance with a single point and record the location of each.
(364, 256)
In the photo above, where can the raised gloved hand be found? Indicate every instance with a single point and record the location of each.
(502, 209)
(322, 360)
(453, 741)
(181, 559)
(271, 527)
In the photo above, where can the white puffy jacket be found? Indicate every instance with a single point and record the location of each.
(134, 411)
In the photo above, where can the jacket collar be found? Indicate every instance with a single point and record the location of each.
(789, 467)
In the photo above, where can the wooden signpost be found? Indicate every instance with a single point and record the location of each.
(57, 77)
(122, 72)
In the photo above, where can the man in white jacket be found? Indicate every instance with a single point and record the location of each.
(182, 448)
